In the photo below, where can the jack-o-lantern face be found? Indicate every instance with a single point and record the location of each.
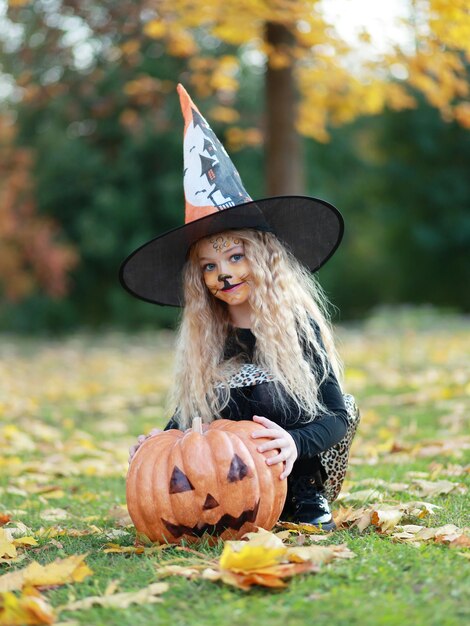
(189, 484)
(180, 483)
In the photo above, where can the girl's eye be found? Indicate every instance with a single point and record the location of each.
(236, 257)
(208, 267)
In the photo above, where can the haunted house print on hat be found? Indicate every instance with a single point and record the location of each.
(211, 181)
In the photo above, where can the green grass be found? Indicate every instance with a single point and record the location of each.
(97, 395)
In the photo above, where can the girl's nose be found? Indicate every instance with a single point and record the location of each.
(222, 277)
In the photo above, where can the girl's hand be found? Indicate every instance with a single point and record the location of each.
(140, 440)
(281, 440)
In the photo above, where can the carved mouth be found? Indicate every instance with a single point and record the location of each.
(226, 522)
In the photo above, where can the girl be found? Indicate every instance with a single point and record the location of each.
(254, 342)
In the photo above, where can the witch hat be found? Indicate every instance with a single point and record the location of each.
(216, 200)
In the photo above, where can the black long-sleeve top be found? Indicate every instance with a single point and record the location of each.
(311, 438)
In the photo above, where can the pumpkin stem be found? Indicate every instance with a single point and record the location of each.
(197, 425)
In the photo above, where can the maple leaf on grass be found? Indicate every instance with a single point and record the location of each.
(319, 554)
(25, 541)
(138, 549)
(309, 529)
(29, 608)
(350, 517)
(52, 515)
(298, 534)
(434, 488)
(59, 572)
(260, 551)
(386, 519)
(262, 559)
(269, 577)
(147, 595)
(18, 529)
(187, 571)
(361, 496)
(58, 531)
(7, 548)
(449, 534)
(9, 545)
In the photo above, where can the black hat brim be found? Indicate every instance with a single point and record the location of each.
(310, 228)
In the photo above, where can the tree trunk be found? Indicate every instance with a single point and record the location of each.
(284, 161)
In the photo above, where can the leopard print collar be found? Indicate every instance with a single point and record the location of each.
(247, 376)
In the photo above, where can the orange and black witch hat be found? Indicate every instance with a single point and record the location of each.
(216, 200)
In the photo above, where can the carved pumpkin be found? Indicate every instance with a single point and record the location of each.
(181, 485)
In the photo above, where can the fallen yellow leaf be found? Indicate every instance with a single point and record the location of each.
(433, 488)
(267, 577)
(386, 519)
(245, 581)
(187, 571)
(443, 534)
(18, 529)
(7, 548)
(361, 496)
(420, 509)
(116, 548)
(319, 554)
(56, 493)
(285, 534)
(261, 537)
(309, 529)
(243, 557)
(147, 595)
(61, 571)
(363, 521)
(25, 541)
(263, 560)
(24, 610)
(51, 515)
(447, 534)
(57, 531)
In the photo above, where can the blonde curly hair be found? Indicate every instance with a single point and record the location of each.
(284, 299)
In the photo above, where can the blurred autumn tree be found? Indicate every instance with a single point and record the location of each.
(92, 88)
(308, 63)
(403, 177)
(30, 252)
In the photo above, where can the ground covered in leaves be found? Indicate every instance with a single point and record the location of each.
(70, 409)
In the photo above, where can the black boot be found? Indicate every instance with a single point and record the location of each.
(308, 504)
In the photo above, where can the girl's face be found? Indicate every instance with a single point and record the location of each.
(224, 267)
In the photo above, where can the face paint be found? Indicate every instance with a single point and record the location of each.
(221, 243)
(225, 270)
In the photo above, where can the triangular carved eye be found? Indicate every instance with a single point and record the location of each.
(210, 503)
(238, 469)
(179, 482)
